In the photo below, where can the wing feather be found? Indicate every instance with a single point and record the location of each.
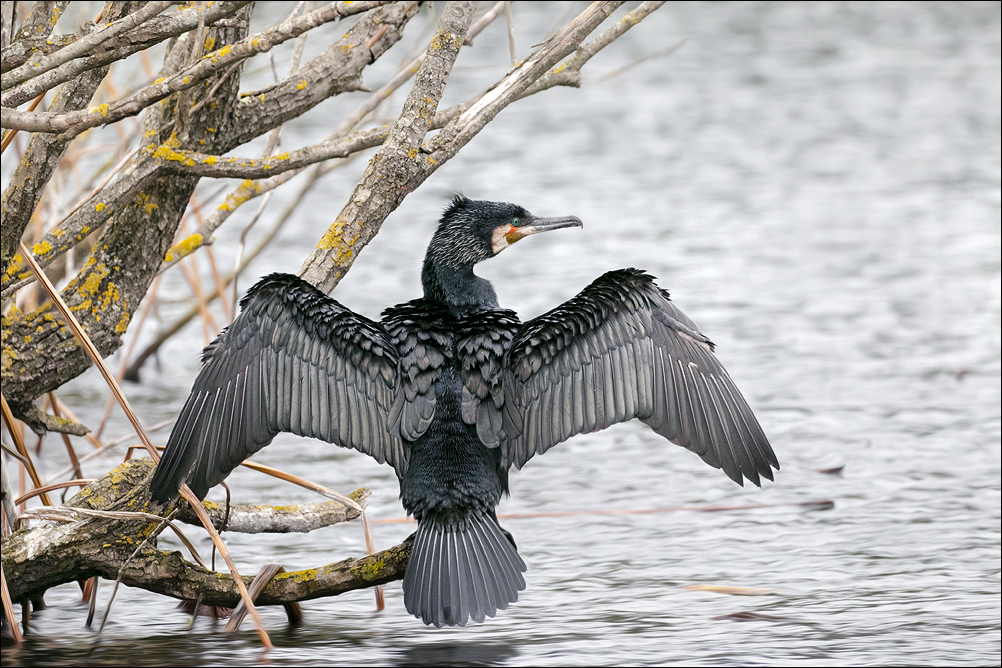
(621, 350)
(294, 360)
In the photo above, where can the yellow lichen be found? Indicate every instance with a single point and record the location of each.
(16, 264)
(99, 207)
(301, 85)
(123, 323)
(335, 240)
(373, 570)
(184, 247)
(167, 153)
(41, 248)
(151, 207)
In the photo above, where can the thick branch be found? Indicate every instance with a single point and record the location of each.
(338, 69)
(45, 556)
(153, 31)
(6, 23)
(73, 123)
(40, 353)
(397, 159)
(90, 216)
(19, 52)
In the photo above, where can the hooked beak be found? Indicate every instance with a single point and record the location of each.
(537, 225)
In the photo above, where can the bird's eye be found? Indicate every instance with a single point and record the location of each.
(514, 222)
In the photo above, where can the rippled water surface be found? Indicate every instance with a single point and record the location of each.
(818, 185)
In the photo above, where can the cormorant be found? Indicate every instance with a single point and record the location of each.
(452, 391)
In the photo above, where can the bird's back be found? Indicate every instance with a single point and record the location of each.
(463, 565)
(450, 365)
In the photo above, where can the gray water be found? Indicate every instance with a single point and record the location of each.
(818, 185)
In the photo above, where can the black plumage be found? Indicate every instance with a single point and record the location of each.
(452, 391)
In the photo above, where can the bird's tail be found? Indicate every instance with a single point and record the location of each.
(461, 569)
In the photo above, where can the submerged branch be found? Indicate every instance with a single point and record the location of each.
(101, 543)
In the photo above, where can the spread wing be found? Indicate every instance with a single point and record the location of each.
(620, 350)
(294, 360)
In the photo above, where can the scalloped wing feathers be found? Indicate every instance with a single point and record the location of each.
(621, 350)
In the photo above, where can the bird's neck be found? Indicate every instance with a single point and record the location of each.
(457, 286)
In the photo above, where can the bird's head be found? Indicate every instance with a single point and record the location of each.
(471, 231)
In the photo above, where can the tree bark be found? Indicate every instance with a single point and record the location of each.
(53, 553)
(39, 352)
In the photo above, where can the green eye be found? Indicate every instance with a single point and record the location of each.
(515, 222)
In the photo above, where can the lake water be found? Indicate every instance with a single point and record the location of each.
(818, 185)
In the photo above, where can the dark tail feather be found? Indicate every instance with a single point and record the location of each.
(461, 569)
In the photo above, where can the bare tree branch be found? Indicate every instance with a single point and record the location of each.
(190, 162)
(40, 21)
(388, 21)
(71, 124)
(39, 352)
(90, 216)
(82, 46)
(302, 518)
(33, 171)
(395, 160)
(153, 31)
(6, 23)
(569, 72)
(336, 70)
(251, 189)
(102, 543)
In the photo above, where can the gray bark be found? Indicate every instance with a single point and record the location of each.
(38, 558)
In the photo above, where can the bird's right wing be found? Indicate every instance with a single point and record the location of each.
(294, 360)
(620, 350)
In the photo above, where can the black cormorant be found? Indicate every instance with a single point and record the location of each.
(452, 391)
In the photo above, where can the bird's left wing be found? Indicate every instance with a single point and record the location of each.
(620, 350)
(294, 360)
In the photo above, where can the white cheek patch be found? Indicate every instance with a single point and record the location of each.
(498, 240)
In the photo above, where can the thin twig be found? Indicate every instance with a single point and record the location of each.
(511, 33)
(82, 482)
(8, 609)
(8, 419)
(304, 483)
(118, 580)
